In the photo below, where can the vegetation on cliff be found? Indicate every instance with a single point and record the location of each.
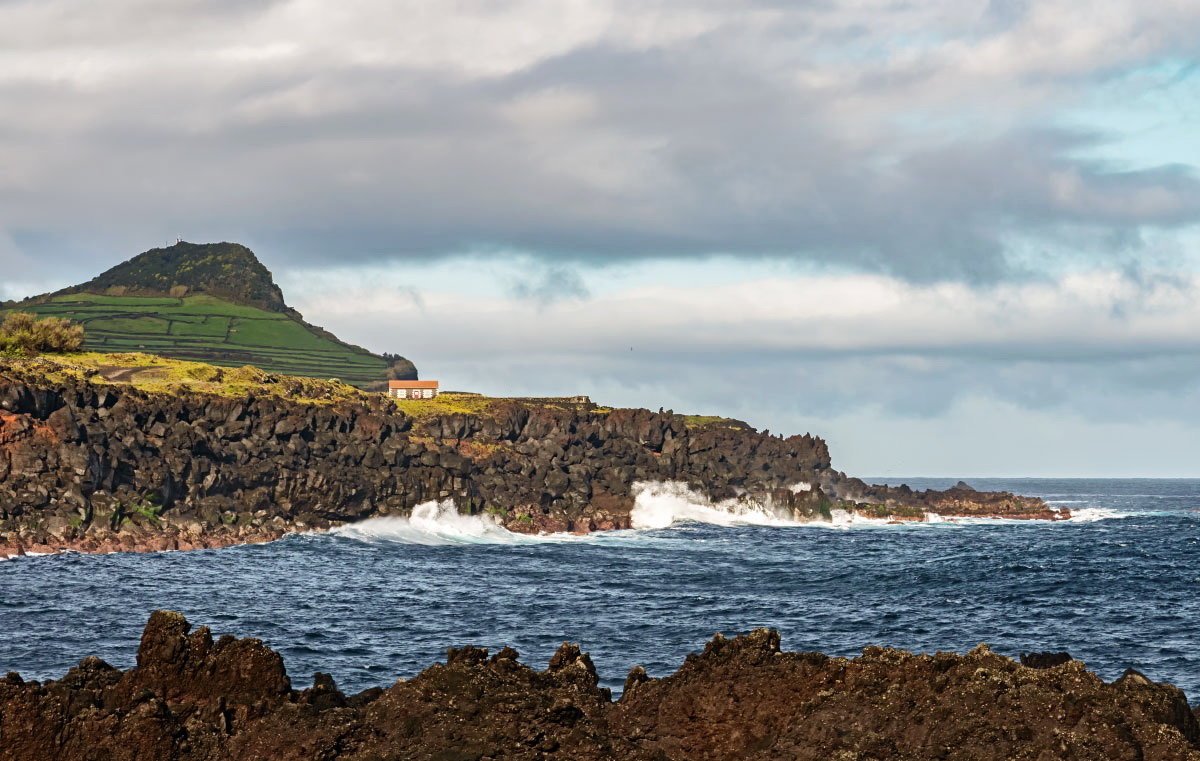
(228, 271)
(161, 375)
(23, 334)
(214, 303)
(193, 698)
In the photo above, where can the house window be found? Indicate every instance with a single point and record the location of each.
(413, 393)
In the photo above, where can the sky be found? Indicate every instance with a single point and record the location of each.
(954, 238)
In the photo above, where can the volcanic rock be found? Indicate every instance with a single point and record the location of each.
(190, 699)
(97, 468)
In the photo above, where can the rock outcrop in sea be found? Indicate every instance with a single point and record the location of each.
(193, 698)
(101, 467)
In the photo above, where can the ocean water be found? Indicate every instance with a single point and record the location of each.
(1117, 587)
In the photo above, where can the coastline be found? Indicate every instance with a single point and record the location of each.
(173, 541)
(91, 465)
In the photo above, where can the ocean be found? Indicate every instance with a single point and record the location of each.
(1117, 587)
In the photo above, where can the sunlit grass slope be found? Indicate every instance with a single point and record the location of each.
(208, 329)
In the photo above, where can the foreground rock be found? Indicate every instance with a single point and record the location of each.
(97, 467)
(191, 698)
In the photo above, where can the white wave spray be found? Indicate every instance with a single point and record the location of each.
(1093, 514)
(659, 504)
(847, 519)
(1080, 515)
(437, 523)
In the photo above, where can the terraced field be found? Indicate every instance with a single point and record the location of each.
(208, 329)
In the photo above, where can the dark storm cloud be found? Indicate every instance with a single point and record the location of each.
(909, 139)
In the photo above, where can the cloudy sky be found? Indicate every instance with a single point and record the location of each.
(954, 237)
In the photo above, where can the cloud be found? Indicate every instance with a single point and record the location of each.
(1090, 373)
(553, 284)
(911, 139)
(1103, 343)
(1092, 314)
(15, 268)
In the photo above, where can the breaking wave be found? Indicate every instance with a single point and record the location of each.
(4, 559)
(659, 504)
(1093, 514)
(1079, 515)
(437, 523)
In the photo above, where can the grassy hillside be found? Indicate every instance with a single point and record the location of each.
(229, 271)
(213, 303)
(208, 329)
(155, 374)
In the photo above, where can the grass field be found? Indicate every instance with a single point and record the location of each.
(163, 375)
(203, 328)
(156, 374)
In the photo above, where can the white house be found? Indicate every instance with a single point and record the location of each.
(412, 389)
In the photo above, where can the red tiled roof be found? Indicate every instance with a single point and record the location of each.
(412, 384)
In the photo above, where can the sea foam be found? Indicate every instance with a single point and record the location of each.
(659, 504)
(435, 523)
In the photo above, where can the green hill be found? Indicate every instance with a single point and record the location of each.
(213, 303)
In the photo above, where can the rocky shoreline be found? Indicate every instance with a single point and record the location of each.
(193, 698)
(94, 466)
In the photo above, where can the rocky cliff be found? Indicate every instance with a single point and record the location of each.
(191, 698)
(97, 466)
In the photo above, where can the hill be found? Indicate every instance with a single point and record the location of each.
(213, 303)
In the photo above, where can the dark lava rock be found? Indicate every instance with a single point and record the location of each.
(100, 469)
(1044, 660)
(190, 699)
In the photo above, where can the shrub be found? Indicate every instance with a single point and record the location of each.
(23, 333)
(400, 368)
